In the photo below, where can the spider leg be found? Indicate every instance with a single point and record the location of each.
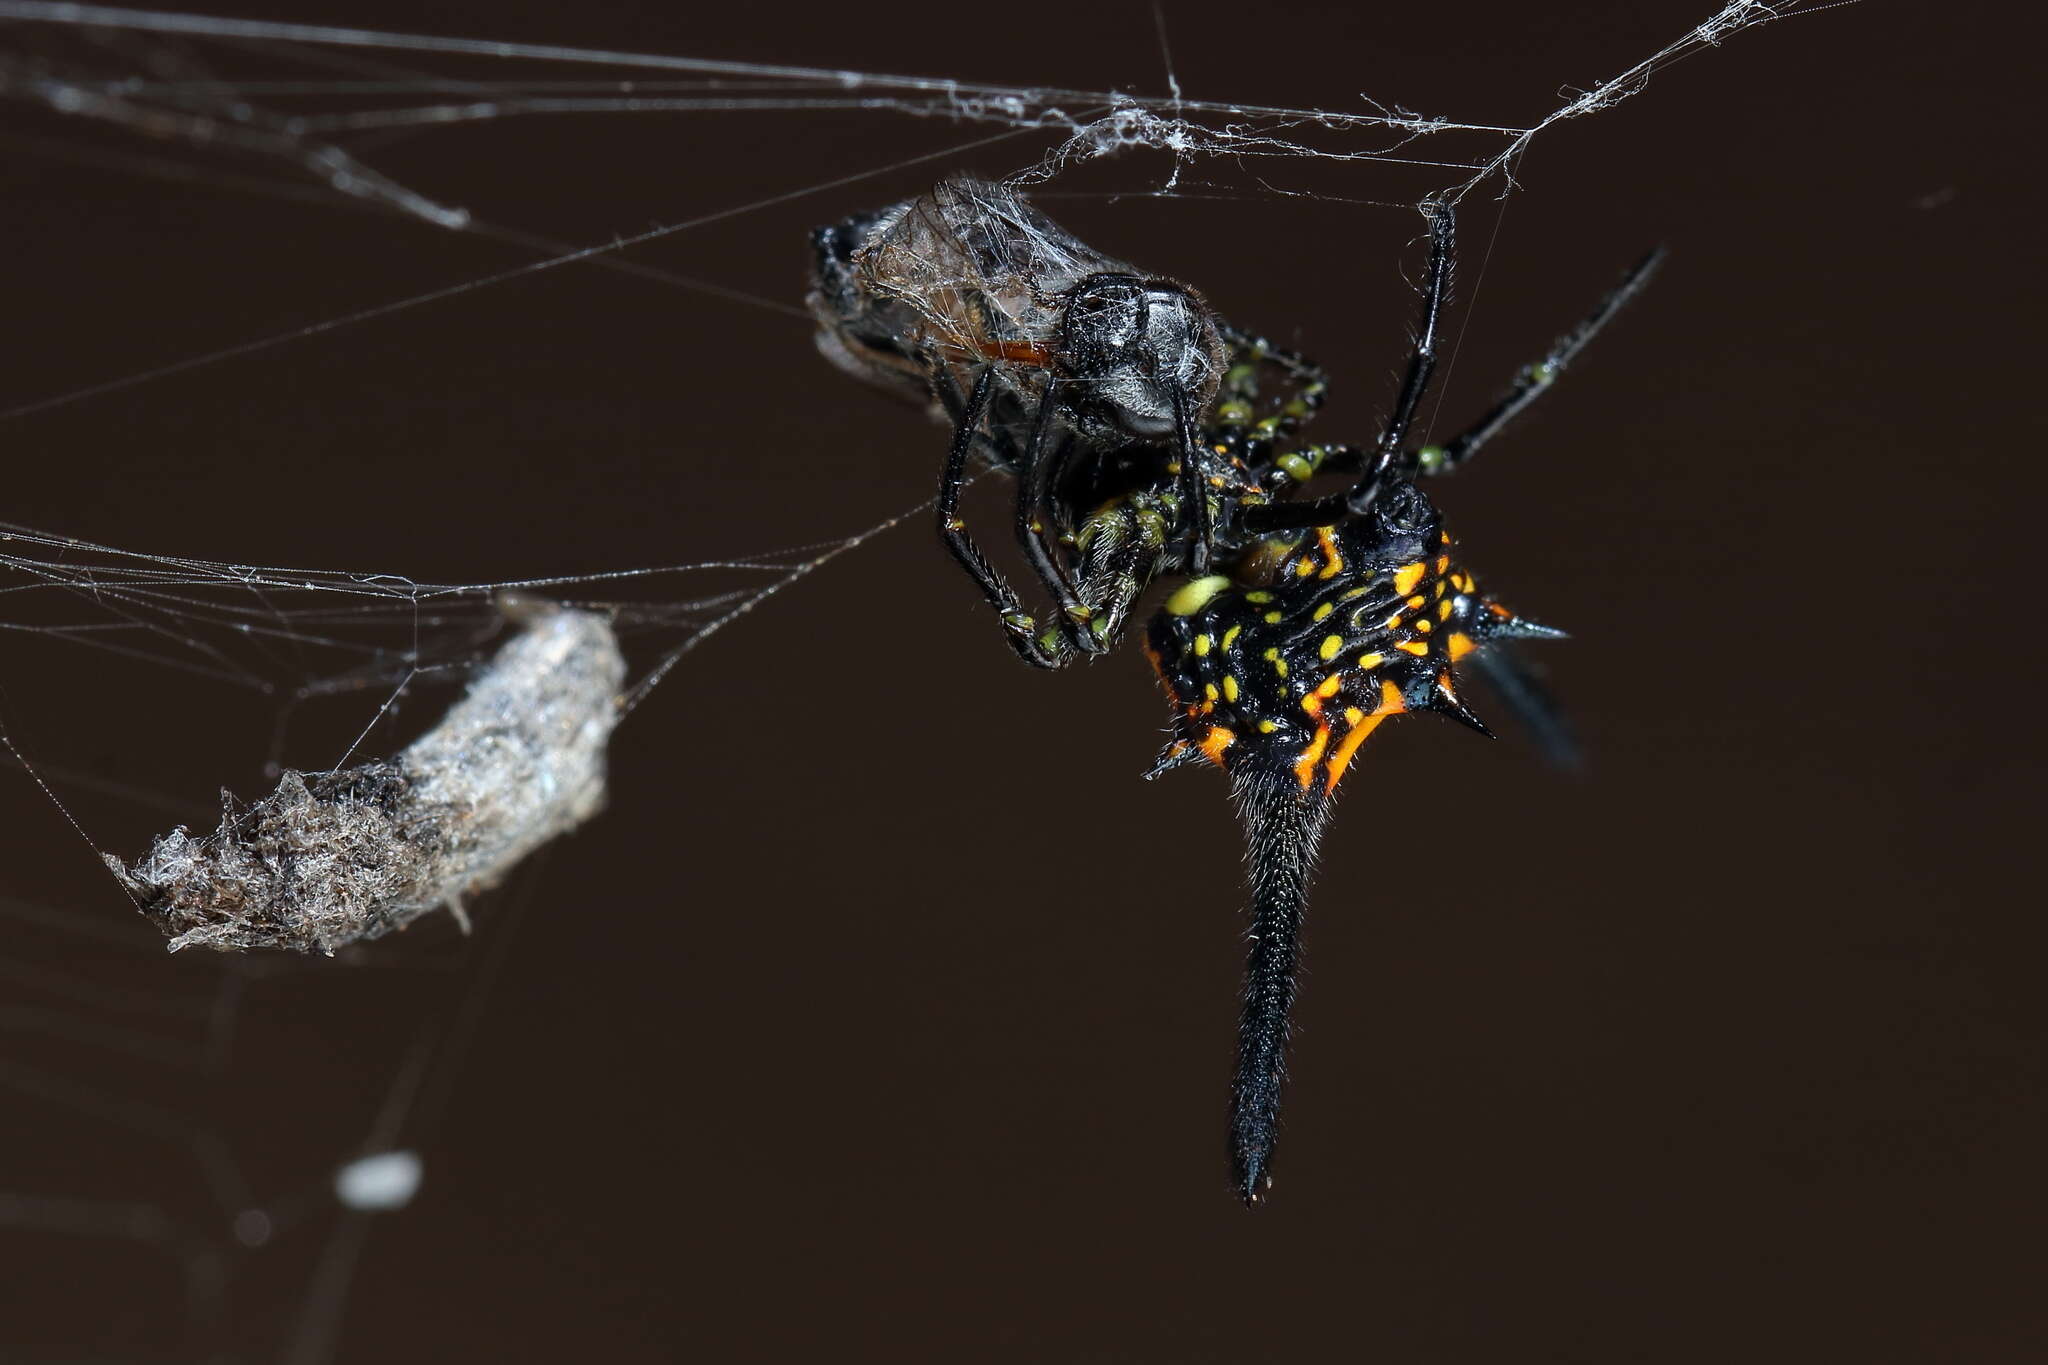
(1299, 399)
(1194, 486)
(1414, 383)
(1533, 382)
(1535, 379)
(1293, 470)
(1018, 624)
(1237, 432)
(1443, 229)
(1118, 552)
(1523, 693)
(1298, 467)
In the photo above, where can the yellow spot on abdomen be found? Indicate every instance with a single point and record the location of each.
(1416, 647)
(1407, 576)
(1460, 643)
(1195, 594)
(1331, 644)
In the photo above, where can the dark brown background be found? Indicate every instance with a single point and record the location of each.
(887, 1014)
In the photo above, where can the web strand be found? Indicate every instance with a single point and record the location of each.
(130, 1041)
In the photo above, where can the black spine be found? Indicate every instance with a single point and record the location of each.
(1282, 822)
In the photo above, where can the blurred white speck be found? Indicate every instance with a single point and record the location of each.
(252, 1227)
(387, 1180)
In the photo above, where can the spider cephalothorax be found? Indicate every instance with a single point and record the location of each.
(1133, 422)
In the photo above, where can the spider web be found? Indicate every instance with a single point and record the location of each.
(124, 1065)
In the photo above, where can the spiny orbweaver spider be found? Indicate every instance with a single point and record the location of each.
(1130, 417)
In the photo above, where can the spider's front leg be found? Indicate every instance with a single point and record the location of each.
(1383, 465)
(1391, 459)
(1243, 441)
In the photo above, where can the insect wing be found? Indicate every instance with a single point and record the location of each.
(984, 269)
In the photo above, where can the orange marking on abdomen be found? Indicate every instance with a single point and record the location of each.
(1305, 766)
(1219, 738)
(1333, 563)
(1340, 759)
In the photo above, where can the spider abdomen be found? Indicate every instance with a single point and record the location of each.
(1293, 666)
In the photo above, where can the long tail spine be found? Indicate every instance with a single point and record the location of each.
(1283, 822)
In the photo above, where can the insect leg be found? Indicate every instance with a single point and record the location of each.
(1037, 471)
(1019, 625)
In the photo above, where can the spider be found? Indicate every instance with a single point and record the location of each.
(1301, 623)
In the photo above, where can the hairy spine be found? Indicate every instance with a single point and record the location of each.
(1283, 822)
